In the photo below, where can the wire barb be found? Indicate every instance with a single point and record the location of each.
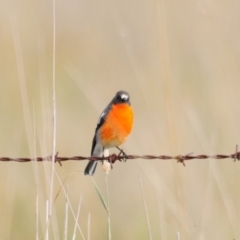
(235, 157)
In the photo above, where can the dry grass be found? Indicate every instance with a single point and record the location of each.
(180, 63)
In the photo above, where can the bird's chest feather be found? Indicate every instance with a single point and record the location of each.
(117, 125)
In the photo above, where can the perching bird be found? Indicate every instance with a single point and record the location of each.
(113, 127)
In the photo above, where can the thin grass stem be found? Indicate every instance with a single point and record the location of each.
(145, 208)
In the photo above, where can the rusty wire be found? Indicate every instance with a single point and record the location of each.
(112, 158)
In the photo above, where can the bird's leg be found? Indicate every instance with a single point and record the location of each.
(125, 156)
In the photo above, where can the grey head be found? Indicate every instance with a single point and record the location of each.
(121, 97)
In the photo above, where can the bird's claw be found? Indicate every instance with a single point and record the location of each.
(122, 155)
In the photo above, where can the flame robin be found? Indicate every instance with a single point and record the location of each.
(113, 127)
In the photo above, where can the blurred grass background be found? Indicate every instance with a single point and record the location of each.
(180, 61)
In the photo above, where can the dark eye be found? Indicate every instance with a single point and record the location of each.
(119, 98)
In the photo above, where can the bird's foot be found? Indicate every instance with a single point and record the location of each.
(122, 155)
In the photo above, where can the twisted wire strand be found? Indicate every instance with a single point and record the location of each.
(113, 157)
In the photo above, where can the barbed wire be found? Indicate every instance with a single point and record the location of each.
(122, 157)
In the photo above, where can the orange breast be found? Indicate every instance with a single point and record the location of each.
(117, 126)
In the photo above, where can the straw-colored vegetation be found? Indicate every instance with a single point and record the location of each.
(179, 60)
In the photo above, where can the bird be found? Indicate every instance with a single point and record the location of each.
(113, 127)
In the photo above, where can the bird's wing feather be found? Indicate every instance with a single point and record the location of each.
(96, 148)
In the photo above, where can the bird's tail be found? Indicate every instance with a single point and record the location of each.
(90, 168)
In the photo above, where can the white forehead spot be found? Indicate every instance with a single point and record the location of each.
(124, 96)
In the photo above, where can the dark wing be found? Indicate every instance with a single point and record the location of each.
(101, 120)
